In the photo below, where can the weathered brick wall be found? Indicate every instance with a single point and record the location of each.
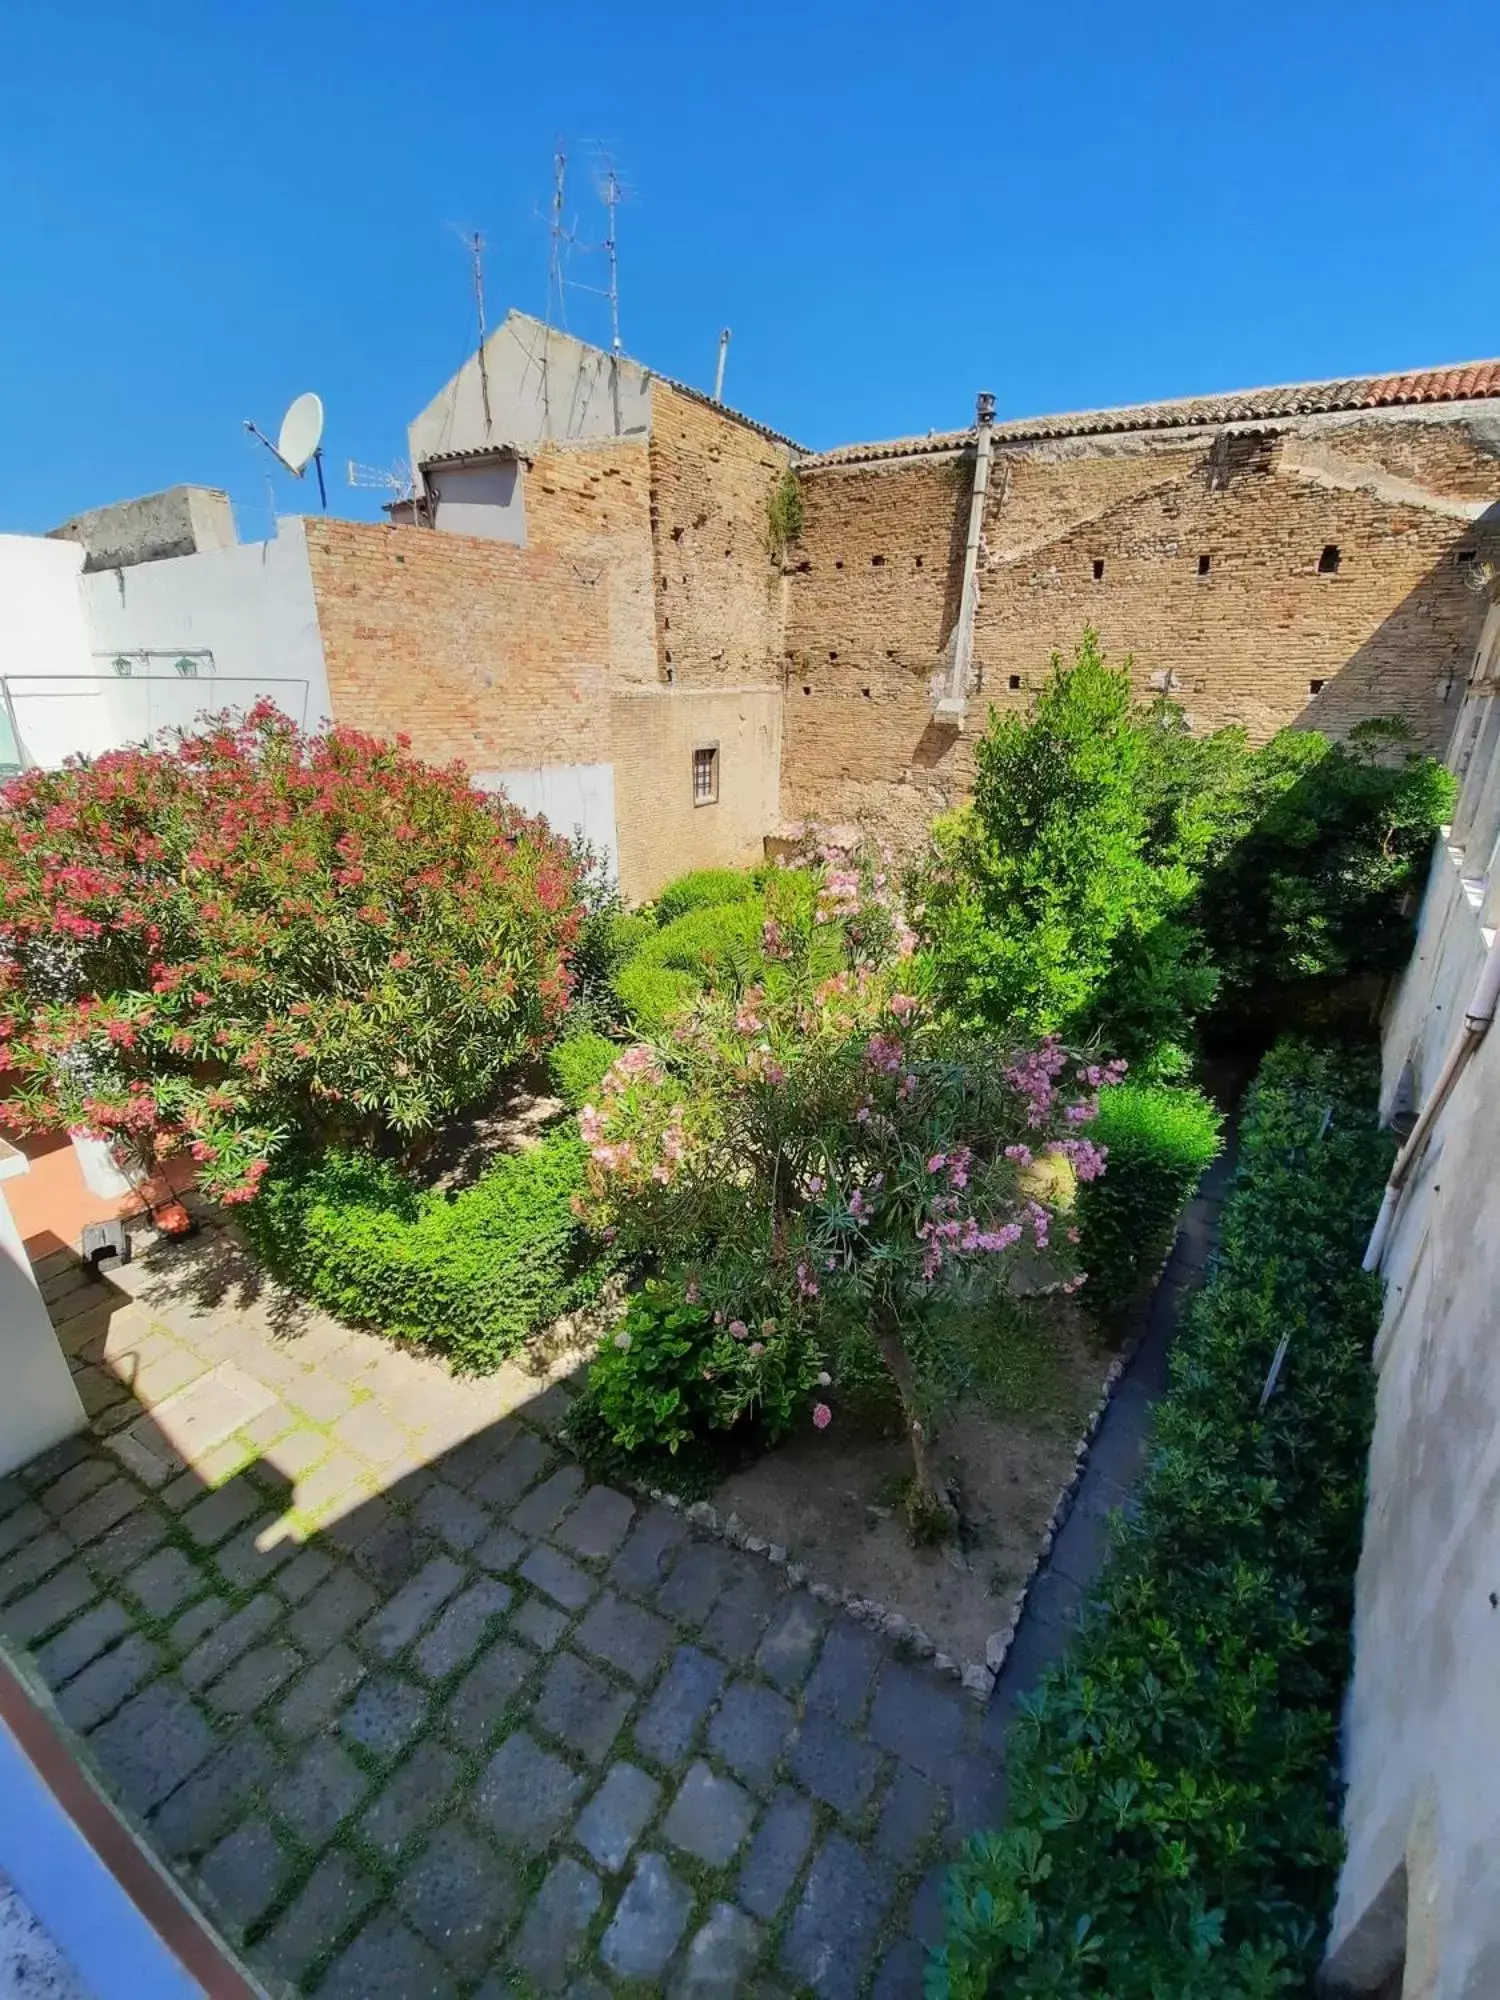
(496, 655)
(874, 585)
(718, 591)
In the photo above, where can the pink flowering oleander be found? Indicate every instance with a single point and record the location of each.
(1088, 1159)
(904, 1005)
(822, 1416)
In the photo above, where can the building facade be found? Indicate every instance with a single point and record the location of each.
(1418, 1911)
(671, 628)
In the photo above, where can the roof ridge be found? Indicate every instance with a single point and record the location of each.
(1458, 381)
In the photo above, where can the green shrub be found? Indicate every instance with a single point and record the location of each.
(578, 1063)
(717, 941)
(1115, 877)
(651, 995)
(672, 1392)
(1174, 1782)
(703, 889)
(474, 1275)
(1159, 1140)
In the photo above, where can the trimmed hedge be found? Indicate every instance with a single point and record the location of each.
(1174, 1782)
(674, 964)
(577, 1064)
(1160, 1140)
(475, 1275)
(703, 889)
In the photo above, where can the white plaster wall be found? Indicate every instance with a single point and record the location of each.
(542, 384)
(1422, 1732)
(248, 611)
(251, 606)
(484, 500)
(572, 798)
(44, 636)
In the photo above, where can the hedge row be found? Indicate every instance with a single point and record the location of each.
(475, 1275)
(1174, 1788)
(1160, 1138)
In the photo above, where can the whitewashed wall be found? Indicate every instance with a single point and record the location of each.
(572, 798)
(1422, 1730)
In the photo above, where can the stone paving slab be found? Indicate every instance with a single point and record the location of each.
(418, 1710)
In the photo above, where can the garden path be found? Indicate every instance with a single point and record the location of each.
(417, 1711)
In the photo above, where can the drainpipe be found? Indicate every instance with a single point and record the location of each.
(950, 710)
(1478, 1016)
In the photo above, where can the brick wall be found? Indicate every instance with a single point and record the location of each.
(480, 651)
(718, 591)
(874, 585)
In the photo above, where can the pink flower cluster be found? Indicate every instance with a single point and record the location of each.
(962, 1237)
(1088, 1159)
(1035, 1076)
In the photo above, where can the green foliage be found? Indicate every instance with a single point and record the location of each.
(672, 1385)
(474, 1275)
(651, 995)
(1159, 1140)
(1074, 848)
(783, 514)
(703, 889)
(578, 1063)
(1327, 839)
(717, 945)
(1174, 1783)
(1116, 878)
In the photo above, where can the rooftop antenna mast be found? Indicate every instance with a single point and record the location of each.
(474, 243)
(611, 193)
(560, 235)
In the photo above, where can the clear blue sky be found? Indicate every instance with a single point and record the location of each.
(207, 207)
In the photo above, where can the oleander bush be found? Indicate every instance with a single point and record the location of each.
(249, 935)
(1174, 1783)
(1159, 1139)
(474, 1274)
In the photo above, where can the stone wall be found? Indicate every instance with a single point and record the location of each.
(718, 590)
(1198, 556)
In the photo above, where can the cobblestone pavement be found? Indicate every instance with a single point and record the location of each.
(417, 1711)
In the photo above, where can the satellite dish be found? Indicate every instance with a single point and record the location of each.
(301, 433)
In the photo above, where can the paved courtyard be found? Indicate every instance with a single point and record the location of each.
(415, 1710)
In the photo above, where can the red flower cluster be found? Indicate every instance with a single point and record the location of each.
(196, 941)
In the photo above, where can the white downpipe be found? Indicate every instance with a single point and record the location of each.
(950, 710)
(1478, 1016)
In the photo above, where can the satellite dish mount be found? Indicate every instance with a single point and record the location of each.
(299, 442)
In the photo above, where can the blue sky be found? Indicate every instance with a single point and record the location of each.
(205, 208)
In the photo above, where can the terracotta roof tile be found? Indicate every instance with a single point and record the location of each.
(1460, 383)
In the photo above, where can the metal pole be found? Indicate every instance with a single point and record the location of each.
(719, 372)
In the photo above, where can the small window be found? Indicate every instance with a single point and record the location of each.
(1098, 569)
(1328, 562)
(1316, 687)
(1465, 557)
(866, 693)
(1205, 564)
(919, 559)
(877, 562)
(706, 775)
(1014, 682)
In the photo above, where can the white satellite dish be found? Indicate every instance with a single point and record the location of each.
(300, 440)
(301, 433)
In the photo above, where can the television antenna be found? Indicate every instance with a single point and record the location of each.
(399, 481)
(299, 442)
(475, 244)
